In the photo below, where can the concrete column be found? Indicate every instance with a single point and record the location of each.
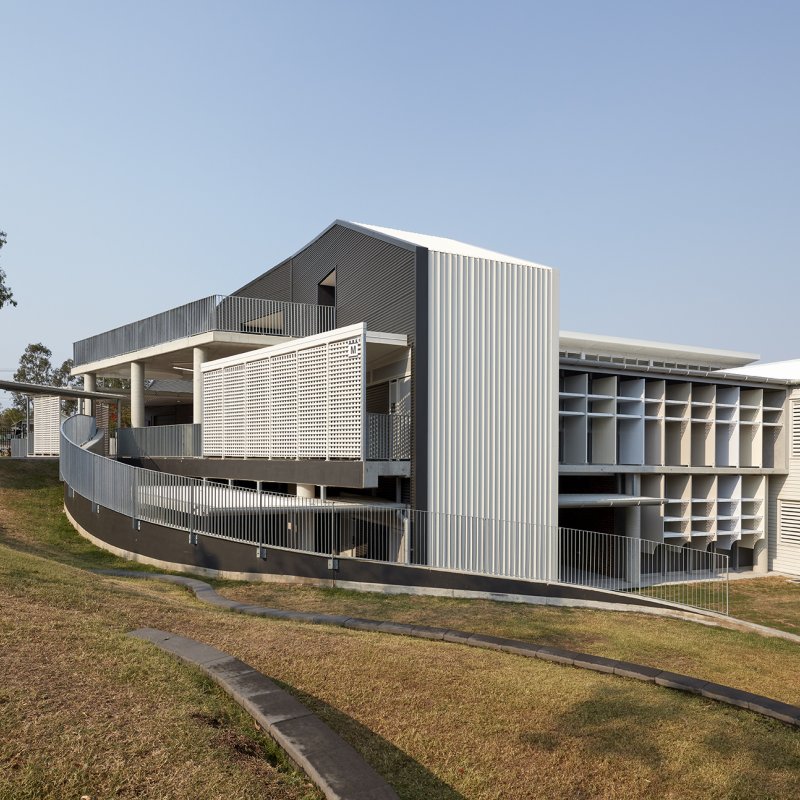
(303, 531)
(89, 385)
(137, 394)
(199, 357)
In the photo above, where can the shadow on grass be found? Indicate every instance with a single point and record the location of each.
(408, 777)
(765, 765)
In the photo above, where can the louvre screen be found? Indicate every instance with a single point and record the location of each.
(790, 523)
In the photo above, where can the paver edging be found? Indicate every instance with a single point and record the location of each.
(768, 707)
(329, 761)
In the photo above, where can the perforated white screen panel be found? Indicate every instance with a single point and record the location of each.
(305, 401)
(284, 405)
(257, 413)
(312, 402)
(346, 403)
(212, 413)
(234, 405)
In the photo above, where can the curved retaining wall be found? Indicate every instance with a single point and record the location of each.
(171, 549)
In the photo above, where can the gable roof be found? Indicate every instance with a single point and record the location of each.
(439, 244)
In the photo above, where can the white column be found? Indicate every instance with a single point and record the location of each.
(199, 357)
(137, 394)
(304, 534)
(89, 385)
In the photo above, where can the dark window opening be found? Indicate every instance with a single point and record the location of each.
(326, 290)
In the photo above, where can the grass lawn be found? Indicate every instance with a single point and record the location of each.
(85, 710)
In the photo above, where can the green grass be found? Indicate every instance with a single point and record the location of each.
(83, 709)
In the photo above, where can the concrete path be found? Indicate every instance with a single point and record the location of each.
(332, 764)
(766, 706)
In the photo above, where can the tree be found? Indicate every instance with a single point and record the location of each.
(35, 367)
(9, 417)
(6, 295)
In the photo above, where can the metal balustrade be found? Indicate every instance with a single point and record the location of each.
(214, 313)
(388, 437)
(161, 441)
(392, 533)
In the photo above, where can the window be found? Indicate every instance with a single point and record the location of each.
(326, 290)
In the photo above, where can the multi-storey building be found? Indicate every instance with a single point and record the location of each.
(381, 367)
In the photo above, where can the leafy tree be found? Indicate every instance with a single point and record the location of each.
(36, 367)
(9, 417)
(6, 295)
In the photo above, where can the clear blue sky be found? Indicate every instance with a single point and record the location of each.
(153, 153)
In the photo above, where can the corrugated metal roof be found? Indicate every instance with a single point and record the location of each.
(642, 348)
(439, 243)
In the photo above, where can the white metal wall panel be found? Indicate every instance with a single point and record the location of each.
(493, 393)
(259, 408)
(212, 413)
(312, 402)
(347, 398)
(784, 496)
(46, 422)
(283, 370)
(234, 388)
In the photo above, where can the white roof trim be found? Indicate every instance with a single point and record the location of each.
(439, 244)
(664, 351)
(780, 370)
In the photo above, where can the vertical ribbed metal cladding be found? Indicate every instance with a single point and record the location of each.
(374, 280)
(275, 284)
(492, 395)
(420, 387)
(784, 553)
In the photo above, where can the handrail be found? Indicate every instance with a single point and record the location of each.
(214, 313)
(393, 533)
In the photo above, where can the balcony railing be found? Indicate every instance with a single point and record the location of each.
(161, 441)
(215, 313)
(389, 440)
(388, 437)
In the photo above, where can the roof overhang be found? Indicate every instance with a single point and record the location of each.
(595, 344)
(173, 359)
(57, 391)
(379, 345)
(606, 500)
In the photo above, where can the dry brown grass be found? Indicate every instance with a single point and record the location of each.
(746, 661)
(438, 720)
